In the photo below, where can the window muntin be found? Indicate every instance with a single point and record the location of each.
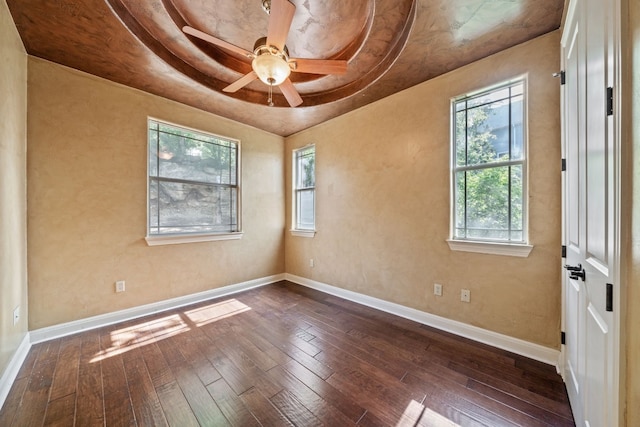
(193, 185)
(304, 161)
(489, 165)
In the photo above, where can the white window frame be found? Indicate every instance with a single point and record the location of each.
(491, 246)
(296, 230)
(194, 237)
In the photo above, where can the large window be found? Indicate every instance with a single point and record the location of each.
(489, 165)
(304, 167)
(193, 182)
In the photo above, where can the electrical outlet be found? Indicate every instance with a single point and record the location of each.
(311, 263)
(120, 286)
(465, 295)
(437, 289)
(16, 315)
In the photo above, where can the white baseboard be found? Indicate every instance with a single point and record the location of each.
(9, 375)
(64, 329)
(505, 342)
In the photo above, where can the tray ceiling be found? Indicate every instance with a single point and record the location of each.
(390, 45)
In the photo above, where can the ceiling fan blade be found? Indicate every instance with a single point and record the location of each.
(216, 41)
(319, 66)
(290, 93)
(241, 82)
(280, 19)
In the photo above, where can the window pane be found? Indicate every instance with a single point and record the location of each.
(153, 150)
(191, 208)
(461, 135)
(306, 210)
(153, 207)
(193, 160)
(517, 207)
(488, 97)
(497, 125)
(517, 128)
(460, 207)
(488, 203)
(481, 147)
(305, 168)
(232, 166)
(494, 127)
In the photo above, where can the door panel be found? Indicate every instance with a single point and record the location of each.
(573, 328)
(572, 111)
(589, 213)
(597, 337)
(596, 140)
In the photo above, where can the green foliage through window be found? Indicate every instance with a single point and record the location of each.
(489, 165)
(193, 181)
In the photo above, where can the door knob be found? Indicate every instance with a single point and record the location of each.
(576, 272)
(573, 268)
(575, 275)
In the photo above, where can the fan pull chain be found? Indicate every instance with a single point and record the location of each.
(270, 99)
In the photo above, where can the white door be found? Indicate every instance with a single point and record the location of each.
(590, 214)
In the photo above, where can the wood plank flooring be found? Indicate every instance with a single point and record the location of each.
(280, 355)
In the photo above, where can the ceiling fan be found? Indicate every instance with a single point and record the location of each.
(270, 57)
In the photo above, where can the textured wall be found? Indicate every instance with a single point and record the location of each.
(13, 187)
(87, 201)
(382, 177)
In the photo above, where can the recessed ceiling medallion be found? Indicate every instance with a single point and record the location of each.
(368, 35)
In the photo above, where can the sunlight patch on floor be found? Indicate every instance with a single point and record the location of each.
(417, 414)
(218, 311)
(141, 334)
(214, 312)
(125, 339)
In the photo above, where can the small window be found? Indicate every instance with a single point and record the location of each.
(304, 167)
(489, 166)
(193, 185)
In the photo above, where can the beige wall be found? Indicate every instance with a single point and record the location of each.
(383, 196)
(632, 324)
(13, 187)
(382, 177)
(87, 201)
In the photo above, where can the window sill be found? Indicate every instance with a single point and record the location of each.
(508, 249)
(303, 233)
(176, 239)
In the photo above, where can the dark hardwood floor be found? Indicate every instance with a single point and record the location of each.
(280, 355)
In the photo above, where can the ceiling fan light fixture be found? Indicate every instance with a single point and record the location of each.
(272, 69)
(266, 6)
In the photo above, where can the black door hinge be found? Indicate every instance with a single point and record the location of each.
(562, 77)
(564, 251)
(609, 101)
(563, 338)
(609, 297)
(564, 165)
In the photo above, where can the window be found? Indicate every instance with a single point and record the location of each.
(489, 166)
(193, 182)
(304, 167)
